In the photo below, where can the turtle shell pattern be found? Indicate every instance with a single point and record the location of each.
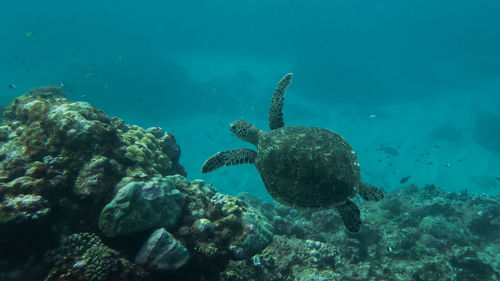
(307, 167)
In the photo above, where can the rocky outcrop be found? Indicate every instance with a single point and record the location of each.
(61, 162)
(67, 170)
(162, 252)
(413, 234)
(140, 206)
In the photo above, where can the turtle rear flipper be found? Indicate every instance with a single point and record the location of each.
(229, 158)
(370, 192)
(275, 112)
(350, 215)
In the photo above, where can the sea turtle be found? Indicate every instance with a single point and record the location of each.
(302, 167)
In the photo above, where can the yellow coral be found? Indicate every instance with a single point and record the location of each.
(135, 154)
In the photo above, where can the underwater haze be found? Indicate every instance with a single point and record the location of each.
(413, 86)
(110, 111)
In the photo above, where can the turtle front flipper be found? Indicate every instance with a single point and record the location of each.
(350, 215)
(370, 192)
(229, 158)
(275, 112)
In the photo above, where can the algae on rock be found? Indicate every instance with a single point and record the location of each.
(61, 162)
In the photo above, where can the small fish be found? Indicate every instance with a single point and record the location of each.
(388, 150)
(29, 34)
(372, 116)
(447, 165)
(431, 163)
(497, 178)
(12, 86)
(404, 179)
(436, 146)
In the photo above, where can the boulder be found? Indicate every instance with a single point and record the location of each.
(162, 252)
(140, 206)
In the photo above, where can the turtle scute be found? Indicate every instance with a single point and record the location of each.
(307, 167)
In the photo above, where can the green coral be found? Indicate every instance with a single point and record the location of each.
(99, 260)
(147, 151)
(22, 207)
(84, 254)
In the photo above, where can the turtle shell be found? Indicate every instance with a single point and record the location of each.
(307, 167)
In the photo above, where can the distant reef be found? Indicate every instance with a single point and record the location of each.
(87, 197)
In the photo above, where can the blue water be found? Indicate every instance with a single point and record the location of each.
(429, 71)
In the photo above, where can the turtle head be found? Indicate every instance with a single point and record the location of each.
(245, 131)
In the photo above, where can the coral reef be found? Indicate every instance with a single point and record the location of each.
(67, 170)
(414, 234)
(22, 207)
(61, 162)
(217, 228)
(83, 256)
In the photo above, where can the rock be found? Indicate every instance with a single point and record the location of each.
(22, 207)
(80, 124)
(441, 228)
(140, 206)
(246, 229)
(162, 252)
(203, 226)
(257, 234)
(98, 176)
